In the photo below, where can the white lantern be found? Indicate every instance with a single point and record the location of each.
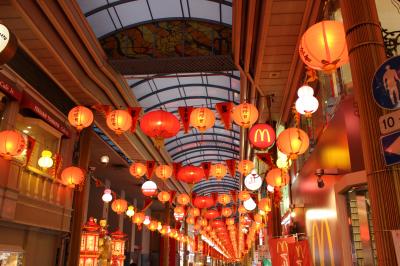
(146, 220)
(130, 211)
(249, 204)
(305, 91)
(307, 105)
(253, 181)
(149, 188)
(107, 196)
(45, 161)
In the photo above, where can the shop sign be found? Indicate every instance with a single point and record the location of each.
(8, 45)
(386, 84)
(10, 90)
(390, 122)
(391, 148)
(32, 104)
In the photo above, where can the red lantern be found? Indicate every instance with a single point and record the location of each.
(203, 202)
(226, 211)
(138, 218)
(183, 199)
(164, 171)
(244, 195)
(163, 196)
(190, 174)
(12, 143)
(264, 205)
(159, 125)
(89, 251)
(72, 176)
(119, 121)
(293, 142)
(119, 206)
(323, 46)
(194, 212)
(218, 170)
(277, 177)
(80, 117)
(262, 136)
(230, 221)
(211, 214)
(245, 115)
(224, 199)
(137, 170)
(245, 167)
(190, 220)
(149, 188)
(202, 119)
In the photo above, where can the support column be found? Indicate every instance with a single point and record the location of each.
(185, 246)
(133, 236)
(165, 246)
(80, 197)
(366, 52)
(145, 250)
(121, 216)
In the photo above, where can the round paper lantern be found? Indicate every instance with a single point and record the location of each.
(264, 205)
(190, 174)
(119, 121)
(138, 218)
(249, 204)
(190, 220)
(146, 220)
(164, 171)
(218, 170)
(245, 167)
(245, 114)
(224, 199)
(183, 199)
(262, 136)
(305, 91)
(130, 211)
(283, 162)
(230, 221)
(258, 218)
(203, 202)
(226, 211)
(164, 230)
(194, 212)
(253, 181)
(164, 196)
(211, 214)
(12, 143)
(153, 225)
(8, 45)
(80, 117)
(119, 206)
(179, 210)
(244, 195)
(242, 209)
(72, 176)
(307, 105)
(277, 177)
(107, 196)
(137, 170)
(202, 119)
(159, 125)
(45, 161)
(323, 46)
(149, 188)
(293, 142)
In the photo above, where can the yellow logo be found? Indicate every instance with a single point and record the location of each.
(318, 235)
(261, 134)
(282, 249)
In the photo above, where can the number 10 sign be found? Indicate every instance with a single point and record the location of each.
(390, 123)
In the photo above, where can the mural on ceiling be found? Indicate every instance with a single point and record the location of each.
(178, 38)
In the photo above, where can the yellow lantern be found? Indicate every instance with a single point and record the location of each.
(202, 119)
(245, 115)
(244, 195)
(119, 121)
(245, 167)
(164, 196)
(137, 170)
(164, 171)
(183, 199)
(224, 199)
(130, 211)
(218, 170)
(293, 142)
(45, 161)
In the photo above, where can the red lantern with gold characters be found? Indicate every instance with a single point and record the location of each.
(118, 239)
(119, 121)
(80, 117)
(323, 46)
(159, 125)
(218, 170)
(277, 177)
(245, 167)
(137, 170)
(164, 196)
(12, 143)
(190, 174)
(293, 142)
(164, 171)
(202, 119)
(89, 251)
(245, 114)
(262, 136)
(211, 214)
(226, 211)
(119, 206)
(224, 199)
(72, 176)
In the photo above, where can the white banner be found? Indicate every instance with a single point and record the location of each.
(396, 242)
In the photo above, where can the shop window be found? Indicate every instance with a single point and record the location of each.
(39, 136)
(361, 230)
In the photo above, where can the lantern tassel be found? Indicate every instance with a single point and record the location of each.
(158, 142)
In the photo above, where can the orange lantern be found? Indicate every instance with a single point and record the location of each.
(80, 117)
(89, 251)
(164, 196)
(277, 177)
(190, 174)
(190, 220)
(244, 195)
(194, 212)
(137, 170)
(203, 202)
(164, 171)
(183, 199)
(153, 225)
(264, 205)
(149, 188)
(202, 119)
(323, 46)
(245, 114)
(293, 142)
(262, 136)
(72, 176)
(119, 206)
(159, 125)
(242, 209)
(179, 210)
(138, 218)
(258, 218)
(218, 170)
(12, 143)
(245, 167)
(224, 199)
(226, 211)
(165, 230)
(119, 121)
(230, 221)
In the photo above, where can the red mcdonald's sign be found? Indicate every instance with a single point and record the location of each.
(262, 136)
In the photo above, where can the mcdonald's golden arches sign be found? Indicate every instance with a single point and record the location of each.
(262, 136)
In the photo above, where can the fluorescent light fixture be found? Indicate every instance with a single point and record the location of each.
(320, 214)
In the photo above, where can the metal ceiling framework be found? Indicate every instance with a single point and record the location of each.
(170, 91)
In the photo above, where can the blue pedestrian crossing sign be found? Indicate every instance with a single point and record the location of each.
(386, 84)
(391, 148)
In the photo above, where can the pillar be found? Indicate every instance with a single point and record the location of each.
(165, 241)
(80, 197)
(185, 246)
(145, 246)
(366, 52)
(133, 237)
(121, 216)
